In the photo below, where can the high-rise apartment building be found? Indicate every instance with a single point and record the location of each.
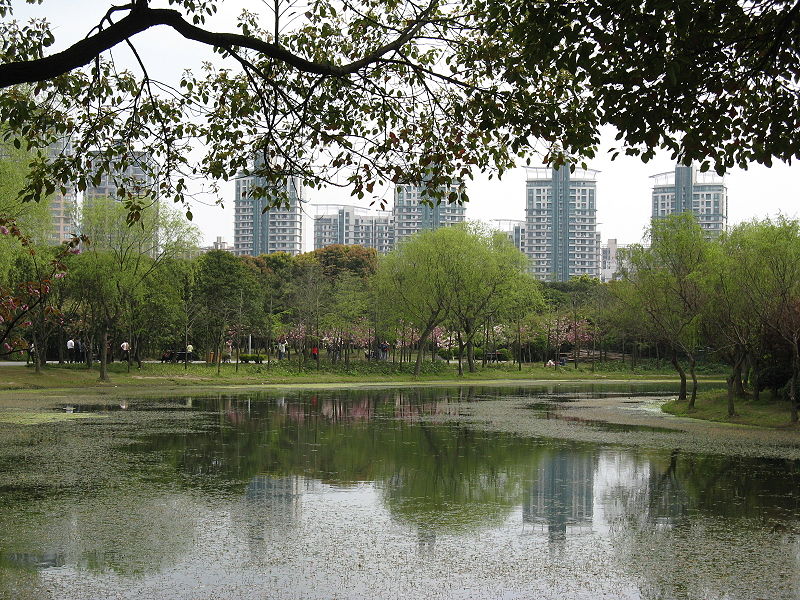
(561, 220)
(516, 230)
(63, 207)
(337, 224)
(411, 216)
(276, 230)
(136, 178)
(688, 190)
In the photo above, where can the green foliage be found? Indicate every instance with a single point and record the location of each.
(370, 93)
(337, 260)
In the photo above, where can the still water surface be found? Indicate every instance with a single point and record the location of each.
(369, 494)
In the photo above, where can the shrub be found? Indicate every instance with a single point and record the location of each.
(246, 358)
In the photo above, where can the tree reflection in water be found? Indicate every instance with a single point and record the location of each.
(267, 470)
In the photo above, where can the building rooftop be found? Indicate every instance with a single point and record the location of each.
(546, 173)
(668, 178)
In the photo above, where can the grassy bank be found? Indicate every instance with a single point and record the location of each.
(289, 372)
(712, 405)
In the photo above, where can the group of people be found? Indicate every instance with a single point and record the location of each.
(380, 352)
(76, 350)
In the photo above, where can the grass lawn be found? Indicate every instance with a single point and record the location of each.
(290, 372)
(712, 405)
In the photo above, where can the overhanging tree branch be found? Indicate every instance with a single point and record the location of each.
(141, 18)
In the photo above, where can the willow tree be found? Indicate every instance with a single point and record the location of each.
(759, 273)
(666, 280)
(480, 276)
(112, 272)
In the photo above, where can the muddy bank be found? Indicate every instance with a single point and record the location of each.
(624, 420)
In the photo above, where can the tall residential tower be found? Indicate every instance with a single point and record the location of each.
(411, 216)
(687, 190)
(561, 220)
(275, 230)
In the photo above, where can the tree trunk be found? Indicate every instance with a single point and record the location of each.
(471, 356)
(422, 341)
(692, 364)
(754, 383)
(61, 343)
(681, 373)
(37, 355)
(731, 407)
(737, 380)
(793, 382)
(104, 354)
(136, 353)
(460, 356)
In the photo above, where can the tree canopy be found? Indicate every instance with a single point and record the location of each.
(368, 92)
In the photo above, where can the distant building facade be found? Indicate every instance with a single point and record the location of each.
(275, 230)
(613, 260)
(338, 224)
(136, 177)
(411, 216)
(516, 230)
(687, 190)
(561, 222)
(63, 207)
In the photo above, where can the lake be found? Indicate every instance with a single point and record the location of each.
(383, 493)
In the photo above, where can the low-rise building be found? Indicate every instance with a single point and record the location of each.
(341, 224)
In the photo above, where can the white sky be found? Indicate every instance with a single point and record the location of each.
(623, 196)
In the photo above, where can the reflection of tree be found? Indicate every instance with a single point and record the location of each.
(561, 495)
(441, 478)
(123, 530)
(431, 476)
(707, 527)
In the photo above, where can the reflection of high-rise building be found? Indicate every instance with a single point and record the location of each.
(279, 491)
(687, 190)
(258, 232)
(411, 216)
(335, 224)
(270, 507)
(561, 222)
(562, 494)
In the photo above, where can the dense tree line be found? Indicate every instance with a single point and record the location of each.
(736, 297)
(460, 293)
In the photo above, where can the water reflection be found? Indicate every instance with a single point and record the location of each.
(561, 495)
(363, 493)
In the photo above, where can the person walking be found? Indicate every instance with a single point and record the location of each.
(70, 350)
(281, 350)
(126, 351)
